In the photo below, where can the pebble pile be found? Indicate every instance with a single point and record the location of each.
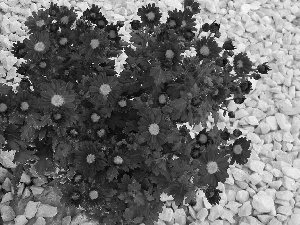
(266, 190)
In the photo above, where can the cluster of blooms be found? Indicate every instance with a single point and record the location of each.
(119, 133)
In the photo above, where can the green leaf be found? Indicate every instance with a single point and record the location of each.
(179, 106)
(112, 173)
(159, 75)
(23, 155)
(4, 89)
(139, 199)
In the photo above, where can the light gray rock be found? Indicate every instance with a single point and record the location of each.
(20, 220)
(272, 122)
(291, 172)
(7, 197)
(215, 212)
(294, 219)
(3, 174)
(284, 195)
(7, 213)
(45, 210)
(256, 166)
(40, 221)
(31, 209)
(285, 210)
(242, 196)
(6, 184)
(66, 220)
(263, 203)
(245, 209)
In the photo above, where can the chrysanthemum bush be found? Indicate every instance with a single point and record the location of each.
(112, 142)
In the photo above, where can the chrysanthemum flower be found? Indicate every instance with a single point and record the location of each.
(37, 45)
(246, 86)
(174, 19)
(169, 55)
(53, 9)
(71, 195)
(89, 159)
(92, 14)
(93, 45)
(203, 138)
(263, 68)
(105, 88)
(42, 66)
(24, 103)
(240, 151)
(242, 64)
(207, 48)
(150, 15)
(66, 17)
(93, 197)
(112, 31)
(191, 6)
(38, 21)
(212, 195)
(213, 166)
(18, 50)
(153, 128)
(57, 94)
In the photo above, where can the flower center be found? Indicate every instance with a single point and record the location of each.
(3, 107)
(122, 103)
(203, 138)
(105, 89)
(77, 178)
(154, 129)
(73, 132)
(212, 167)
(93, 14)
(63, 41)
(57, 100)
(237, 149)
(101, 23)
(112, 34)
(172, 23)
(90, 158)
(39, 47)
(94, 43)
(95, 118)
(240, 64)
(24, 106)
(75, 196)
(40, 23)
(150, 16)
(162, 99)
(64, 20)
(57, 116)
(43, 65)
(100, 132)
(204, 50)
(169, 54)
(93, 195)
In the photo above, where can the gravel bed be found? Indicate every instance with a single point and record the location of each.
(263, 191)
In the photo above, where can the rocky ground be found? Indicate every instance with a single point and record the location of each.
(266, 189)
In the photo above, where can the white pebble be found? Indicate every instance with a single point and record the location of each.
(291, 172)
(263, 203)
(282, 121)
(245, 8)
(242, 196)
(42, 221)
(245, 209)
(272, 122)
(20, 220)
(284, 195)
(256, 166)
